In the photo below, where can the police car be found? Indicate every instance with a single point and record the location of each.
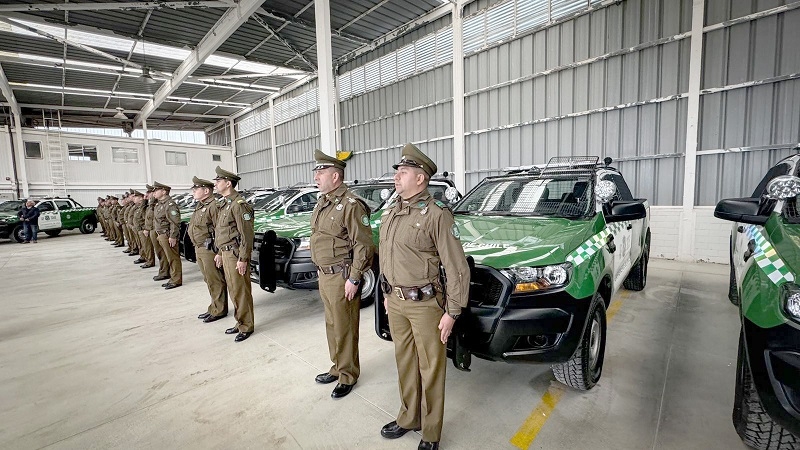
(548, 246)
(56, 214)
(765, 267)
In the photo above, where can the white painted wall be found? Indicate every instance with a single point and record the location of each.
(711, 235)
(87, 180)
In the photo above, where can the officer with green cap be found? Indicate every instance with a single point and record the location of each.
(133, 242)
(201, 233)
(417, 234)
(147, 251)
(342, 249)
(234, 234)
(167, 221)
(116, 213)
(151, 241)
(137, 224)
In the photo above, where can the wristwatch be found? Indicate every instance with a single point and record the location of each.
(355, 282)
(454, 316)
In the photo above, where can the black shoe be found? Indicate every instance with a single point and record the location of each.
(139, 261)
(233, 330)
(211, 318)
(242, 336)
(126, 251)
(325, 378)
(160, 277)
(342, 390)
(393, 431)
(147, 266)
(119, 245)
(133, 253)
(203, 316)
(171, 286)
(425, 445)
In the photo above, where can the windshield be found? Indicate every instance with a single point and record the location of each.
(371, 193)
(11, 206)
(275, 201)
(529, 196)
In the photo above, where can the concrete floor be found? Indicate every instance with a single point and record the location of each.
(94, 354)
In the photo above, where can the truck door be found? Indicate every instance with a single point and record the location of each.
(626, 234)
(49, 219)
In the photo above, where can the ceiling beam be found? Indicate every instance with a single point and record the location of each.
(310, 26)
(283, 41)
(8, 93)
(108, 110)
(362, 15)
(115, 6)
(221, 31)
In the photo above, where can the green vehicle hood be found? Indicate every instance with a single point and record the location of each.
(786, 240)
(503, 242)
(285, 225)
(9, 217)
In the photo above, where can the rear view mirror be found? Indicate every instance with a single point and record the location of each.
(745, 210)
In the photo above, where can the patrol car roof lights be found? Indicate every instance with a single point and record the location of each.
(605, 190)
(385, 193)
(451, 194)
(791, 297)
(783, 187)
(538, 279)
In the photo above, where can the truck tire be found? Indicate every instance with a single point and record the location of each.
(18, 233)
(733, 289)
(754, 426)
(369, 291)
(584, 369)
(88, 226)
(52, 233)
(637, 278)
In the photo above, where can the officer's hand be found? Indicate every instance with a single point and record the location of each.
(446, 326)
(172, 242)
(385, 307)
(241, 267)
(218, 260)
(350, 290)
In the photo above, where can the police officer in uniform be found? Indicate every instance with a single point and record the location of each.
(417, 234)
(201, 232)
(116, 213)
(129, 215)
(167, 225)
(137, 224)
(342, 249)
(234, 237)
(148, 205)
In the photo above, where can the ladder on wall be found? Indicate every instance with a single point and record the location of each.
(55, 152)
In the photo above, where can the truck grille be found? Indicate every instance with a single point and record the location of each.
(486, 287)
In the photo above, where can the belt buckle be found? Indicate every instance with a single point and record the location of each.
(399, 292)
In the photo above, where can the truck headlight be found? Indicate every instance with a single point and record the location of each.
(304, 244)
(791, 300)
(534, 279)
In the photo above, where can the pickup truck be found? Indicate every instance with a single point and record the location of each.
(56, 214)
(547, 246)
(765, 265)
(289, 262)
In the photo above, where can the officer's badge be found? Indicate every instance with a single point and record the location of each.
(455, 231)
(173, 212)
(365, 220)
(424, 211)
(420, 204)
(351, 200)
(339, 207)
(336, 200)
(246, 216)
(204, 210)
(440, 204)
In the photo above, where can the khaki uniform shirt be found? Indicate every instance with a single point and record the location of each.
(415, 236)
(167, 217)
(138, 216)
(203, 221)
(149, 214)
(235, 226)
(340, 229)
(116, 211)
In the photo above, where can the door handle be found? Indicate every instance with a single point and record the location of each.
(751, 248)
(610, 245)
(629, 226)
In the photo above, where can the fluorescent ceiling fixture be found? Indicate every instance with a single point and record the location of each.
(162, 51)
(220, 61)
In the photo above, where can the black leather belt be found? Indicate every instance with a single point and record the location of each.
(416, 294)
(227, 248)
(330, 270)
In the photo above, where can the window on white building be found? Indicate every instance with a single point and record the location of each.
(175, 158)
(124, 155)
(216, 157)
(33, 150)
(78, 152)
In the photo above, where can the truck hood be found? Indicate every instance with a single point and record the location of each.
(289, 225)
(787, 244)
(502, 242)
(9, 217)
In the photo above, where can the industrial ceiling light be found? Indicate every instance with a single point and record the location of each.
(146, 76)
(120, 114)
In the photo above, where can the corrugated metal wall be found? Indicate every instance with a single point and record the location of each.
(572, 78)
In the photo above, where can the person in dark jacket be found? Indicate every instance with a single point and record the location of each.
(29, 215)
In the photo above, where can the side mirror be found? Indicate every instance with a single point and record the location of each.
(605, 191)
(291, 209)
(622, 211)
(745, 210)
(451, 194)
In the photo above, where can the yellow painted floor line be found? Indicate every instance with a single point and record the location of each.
(529, 429)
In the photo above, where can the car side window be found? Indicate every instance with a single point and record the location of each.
(63, 205)
(46, 206)
(623, 192)
(780, 169)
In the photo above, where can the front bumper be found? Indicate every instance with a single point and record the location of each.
(540, 328)
(774, 357)
(6, 230)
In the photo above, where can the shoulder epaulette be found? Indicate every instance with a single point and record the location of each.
(240, 201)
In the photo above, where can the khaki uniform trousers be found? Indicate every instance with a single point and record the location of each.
(134, 238)
(215, 280)
(163, 265)
(120, 240)
(342, 318)
(147, 252)
(240, 290)
(421, 363)
(126, 234)
(173, 259)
